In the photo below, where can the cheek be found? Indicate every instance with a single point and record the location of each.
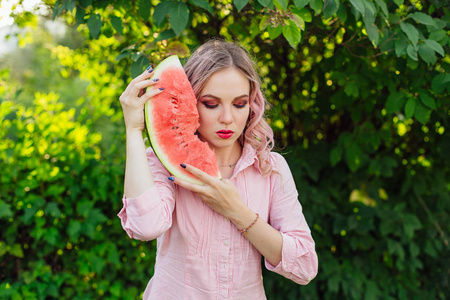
(205, 116)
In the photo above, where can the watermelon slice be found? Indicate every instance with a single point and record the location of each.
(171, 120)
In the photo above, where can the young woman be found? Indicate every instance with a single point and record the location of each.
(210, 237)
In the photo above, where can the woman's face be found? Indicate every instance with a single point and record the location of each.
(224, 108)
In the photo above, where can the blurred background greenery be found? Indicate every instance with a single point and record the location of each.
(359, 94)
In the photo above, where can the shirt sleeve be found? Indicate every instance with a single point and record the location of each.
(299, 260)
(149, 215)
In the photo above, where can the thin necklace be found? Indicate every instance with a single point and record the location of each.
(230, 165)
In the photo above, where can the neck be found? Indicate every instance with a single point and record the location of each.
(228, 156)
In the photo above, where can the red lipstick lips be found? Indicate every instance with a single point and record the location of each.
(225, 134)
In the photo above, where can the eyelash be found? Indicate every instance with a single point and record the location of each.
(212, 106)
(240, 105)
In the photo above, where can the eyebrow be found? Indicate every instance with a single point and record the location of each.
(217, 98)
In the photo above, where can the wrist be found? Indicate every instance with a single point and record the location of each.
(244, 218)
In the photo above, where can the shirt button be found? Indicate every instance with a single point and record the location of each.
(225, 243)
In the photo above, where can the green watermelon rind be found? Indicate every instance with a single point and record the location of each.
(171, 61)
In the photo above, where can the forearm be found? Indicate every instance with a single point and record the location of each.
(266, 239)
(138, 177)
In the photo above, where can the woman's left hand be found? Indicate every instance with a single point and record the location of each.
(220, 195)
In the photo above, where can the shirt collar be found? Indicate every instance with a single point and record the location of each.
(248, 158)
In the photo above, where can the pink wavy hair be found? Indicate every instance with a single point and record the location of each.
(216, 55)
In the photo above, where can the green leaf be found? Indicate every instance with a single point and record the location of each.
(5, 210)
(52, 209)
(144, 9)
(423, 18)
(165, 35)
(136, 55)
(400, 45)
(298, 21)
(410, 224)
(123, 55)
(57, 9)
(303, 13)
(52, 236)
(265, 21)
(292, 34)
(301, 3)
(395, 247)
(79, 15)
(274, 32)
(138, 66)
(96, 217)
(161, 11)
(422, 113)
(372, 33)
(240, 4)
(83, 207)
(359, 6)
(97, 263)
(438, 84)
(342, 13)
(427, 100)
(280, 5)
(412, 52)
(351, 89)
(94, 24)
(382, 5)
(330, 8)
(370, 8)
(395, 102)
(435, 46)
(411, 32)
(353, 157)
(335, 156)
(438, 35)
(117, 24)
(427, 54)
(178, 17)
(398, 2)
(317, 6)
(206, 6)
(73, 230)
(16, 250)
(410, 107)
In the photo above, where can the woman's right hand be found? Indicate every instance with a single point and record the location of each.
(133, 99)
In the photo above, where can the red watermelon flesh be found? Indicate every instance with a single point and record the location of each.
(172, 118)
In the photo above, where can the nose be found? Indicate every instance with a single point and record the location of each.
(226, 116)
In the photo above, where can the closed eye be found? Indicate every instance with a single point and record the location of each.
(209, 104)
(240, 104)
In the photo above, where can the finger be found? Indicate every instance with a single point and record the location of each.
(196, 188)
(204, 177)
(140, 86)
(149, 94)
(145, 75)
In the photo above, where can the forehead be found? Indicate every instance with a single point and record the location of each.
(229, 80)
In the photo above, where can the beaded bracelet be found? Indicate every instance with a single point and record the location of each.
(245, 230)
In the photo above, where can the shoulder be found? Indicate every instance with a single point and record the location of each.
(279, 163)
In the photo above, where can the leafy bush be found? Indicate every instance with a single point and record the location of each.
(359, 92)
(58, 204)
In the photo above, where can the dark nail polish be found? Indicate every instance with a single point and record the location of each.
(151, 70)
(156, 79)
(161, 89)
(171, 178)
(149, 67)
(183, 166)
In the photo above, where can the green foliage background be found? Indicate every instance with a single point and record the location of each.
(360, 107)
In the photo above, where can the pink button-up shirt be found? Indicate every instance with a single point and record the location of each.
(201, 254)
